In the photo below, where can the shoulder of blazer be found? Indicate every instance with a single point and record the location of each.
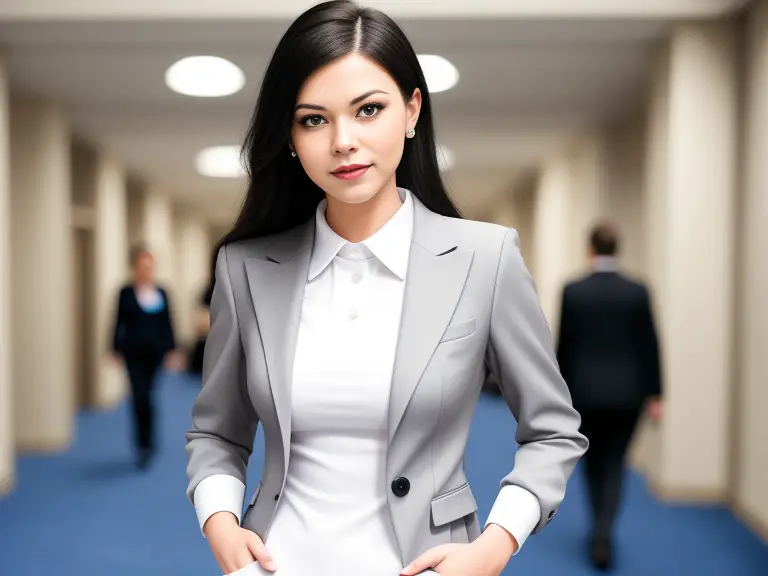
(281, 243)
(477, 234)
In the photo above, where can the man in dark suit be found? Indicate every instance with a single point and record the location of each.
(609, 357)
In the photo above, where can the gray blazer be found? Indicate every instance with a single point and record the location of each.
(469, 305)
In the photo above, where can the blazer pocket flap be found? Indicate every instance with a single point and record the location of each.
(458, 330)
(453, 505)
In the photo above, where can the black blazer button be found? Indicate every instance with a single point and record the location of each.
(401, 486)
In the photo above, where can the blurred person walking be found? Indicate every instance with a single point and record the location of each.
(609, 357)
(144, 340)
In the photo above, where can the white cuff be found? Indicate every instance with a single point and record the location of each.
(517, 511)
(218, 493)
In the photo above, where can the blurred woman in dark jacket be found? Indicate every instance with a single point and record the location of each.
(144, 339)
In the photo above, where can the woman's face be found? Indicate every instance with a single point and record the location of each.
(144, 268)
(350, 114)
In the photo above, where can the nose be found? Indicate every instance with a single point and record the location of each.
(344, 139)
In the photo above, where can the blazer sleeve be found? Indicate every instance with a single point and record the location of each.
(521, 355)
(650, 347)
(564, 337)
(220, 442)
(170, 338)
(118, 334)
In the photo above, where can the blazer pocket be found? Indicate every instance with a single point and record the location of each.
(459, 329)
(453, 505)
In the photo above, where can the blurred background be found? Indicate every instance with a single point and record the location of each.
(551, 115)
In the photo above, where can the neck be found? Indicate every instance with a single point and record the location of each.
(356, 222)
(603, 263)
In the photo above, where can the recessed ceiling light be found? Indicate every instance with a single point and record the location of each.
(205, 77)
(440, 74)
(446, 159)
(220, 162)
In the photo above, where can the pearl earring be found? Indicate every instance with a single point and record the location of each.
(293, 153)
(411, 133)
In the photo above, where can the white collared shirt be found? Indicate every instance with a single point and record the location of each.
(336, 488)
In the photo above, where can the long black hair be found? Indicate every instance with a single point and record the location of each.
(280, 195)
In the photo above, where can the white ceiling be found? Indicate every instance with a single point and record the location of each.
(526, 84)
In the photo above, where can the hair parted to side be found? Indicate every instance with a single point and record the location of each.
(604, 239)
(280, 195)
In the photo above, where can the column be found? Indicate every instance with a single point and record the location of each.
(551, 235)
(569, 200)
(40, 279)
(691, 186)
(111, 271)
(193, 267)
(751, 426)
(7, 441)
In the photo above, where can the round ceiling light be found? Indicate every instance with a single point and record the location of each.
(204, 77)
(440, 74)
(446, 159)
(220, 162)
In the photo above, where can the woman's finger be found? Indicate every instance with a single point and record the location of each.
(430, 558)
(259, 551)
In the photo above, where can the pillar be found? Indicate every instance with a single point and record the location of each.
(193, 266)
(691, 186)
(751, 426)
(569, 199)
(6, 341)
(111, 271)
(40, 279)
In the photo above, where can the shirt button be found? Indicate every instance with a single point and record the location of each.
(353, 314)
(356, 277)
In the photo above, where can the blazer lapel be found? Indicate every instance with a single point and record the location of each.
(277, 281)
(437, 271)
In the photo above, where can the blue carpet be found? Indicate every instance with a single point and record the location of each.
(87, 512)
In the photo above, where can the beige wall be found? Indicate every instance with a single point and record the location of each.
(41, 319)
(751, 429)
(624, 189)
(570, 198)
(7, 467)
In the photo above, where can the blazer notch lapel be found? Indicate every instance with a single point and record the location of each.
(433, 288)
(277, 293)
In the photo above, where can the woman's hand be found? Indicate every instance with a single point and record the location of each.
(235, 547)
(486, 556)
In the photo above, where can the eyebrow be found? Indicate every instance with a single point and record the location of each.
(351, 102)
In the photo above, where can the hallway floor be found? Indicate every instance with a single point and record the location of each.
(88, 512)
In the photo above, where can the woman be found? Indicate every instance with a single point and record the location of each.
(143, 338)
(353, 315)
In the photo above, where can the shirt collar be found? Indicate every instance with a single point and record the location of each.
(391, 244)
(604, 264)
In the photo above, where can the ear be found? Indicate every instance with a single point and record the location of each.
(412, 110)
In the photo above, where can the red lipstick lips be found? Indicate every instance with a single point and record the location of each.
(351, 171)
